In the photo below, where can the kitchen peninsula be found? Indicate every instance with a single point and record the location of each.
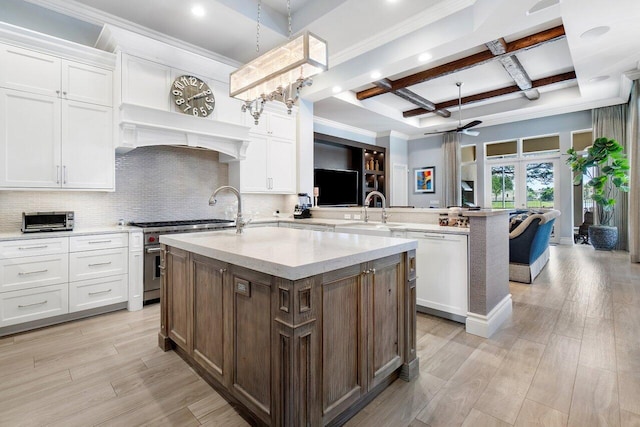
(296, 327)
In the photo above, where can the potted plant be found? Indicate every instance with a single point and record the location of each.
(608, 171)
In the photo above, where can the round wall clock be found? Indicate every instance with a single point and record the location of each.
(192, 96)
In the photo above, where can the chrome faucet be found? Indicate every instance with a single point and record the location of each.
(240, 223)
(384, 203)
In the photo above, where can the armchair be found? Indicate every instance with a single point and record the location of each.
(529, 246)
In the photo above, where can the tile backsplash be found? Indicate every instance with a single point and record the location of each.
(152, 184)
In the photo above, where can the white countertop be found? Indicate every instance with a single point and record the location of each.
(14, 235)
(288, 253)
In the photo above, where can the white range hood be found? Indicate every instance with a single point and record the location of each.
(142, 126)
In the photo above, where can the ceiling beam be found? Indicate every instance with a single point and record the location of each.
(571, 75)
(512, 65)
(480, 58)
(413, 97)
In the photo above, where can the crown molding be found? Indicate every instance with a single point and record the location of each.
(342, 126)
(393, 134)
(94, 16)
(30, 39)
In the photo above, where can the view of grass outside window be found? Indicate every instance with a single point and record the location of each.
(522, 172)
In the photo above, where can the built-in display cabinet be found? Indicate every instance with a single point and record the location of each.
(56, 122)
(369, 161)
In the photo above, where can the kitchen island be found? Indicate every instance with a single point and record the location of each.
(293, 327)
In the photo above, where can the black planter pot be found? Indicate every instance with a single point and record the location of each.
(603, 237)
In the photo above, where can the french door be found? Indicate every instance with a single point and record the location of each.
(528, 183)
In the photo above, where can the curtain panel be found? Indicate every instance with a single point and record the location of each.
(611, 122)
(451, 154)
(633, 152)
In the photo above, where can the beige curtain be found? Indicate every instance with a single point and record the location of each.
(633, 151)
(611, 122)
(451, 154)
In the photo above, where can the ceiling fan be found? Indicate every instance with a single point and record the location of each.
(466, 129)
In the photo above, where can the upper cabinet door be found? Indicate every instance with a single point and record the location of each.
(86, 83)
(282, 125)
(88, 155)
(29, 71)
(145, 83)
(29, 140)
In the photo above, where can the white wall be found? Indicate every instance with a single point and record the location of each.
(427, 152)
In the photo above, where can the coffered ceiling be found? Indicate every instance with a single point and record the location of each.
(517, 59)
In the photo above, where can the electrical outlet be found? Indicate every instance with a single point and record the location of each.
(356, 216)
(347, 216)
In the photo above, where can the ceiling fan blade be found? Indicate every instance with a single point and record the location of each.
(470, 125)
(437, 132)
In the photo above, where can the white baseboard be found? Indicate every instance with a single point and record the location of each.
(485, 326)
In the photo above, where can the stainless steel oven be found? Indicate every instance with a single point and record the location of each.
(152, 232)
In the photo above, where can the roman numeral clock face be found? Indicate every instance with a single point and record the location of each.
(192, 96)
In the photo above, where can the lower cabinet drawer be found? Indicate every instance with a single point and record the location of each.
(33, 304)
(97, 292)
(95, 264)
(31, 272)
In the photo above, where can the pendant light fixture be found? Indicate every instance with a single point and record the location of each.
(279, 74)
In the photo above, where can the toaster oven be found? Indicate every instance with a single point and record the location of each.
(47, 221)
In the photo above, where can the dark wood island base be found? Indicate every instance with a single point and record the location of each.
(308, 352)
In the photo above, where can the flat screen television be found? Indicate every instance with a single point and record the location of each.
(338, 187)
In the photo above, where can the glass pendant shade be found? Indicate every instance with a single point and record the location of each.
(298, 59)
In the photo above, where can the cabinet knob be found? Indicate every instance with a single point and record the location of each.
(58, 92)
(222, 270)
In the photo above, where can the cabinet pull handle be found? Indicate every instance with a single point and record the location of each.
(153, 250)
(161, 268)
(100, 292)
(24, 273)
(25, 248)
(92, 242)
(64, 174)
(57, 174)
(436, 237)
(99, 263)
(31, 305)
(373, 271)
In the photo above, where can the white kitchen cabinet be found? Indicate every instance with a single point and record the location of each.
(442, 273)
(95, 264)
(98, 292)
(136, 271)
(270, 163)
(70, 147)
(30, 140)
(33, 271)
(34, 72)
(44, 277)
(269, 166)
(145, 83)
(33, 304)
(88, 155)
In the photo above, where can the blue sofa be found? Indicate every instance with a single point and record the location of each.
(529, 244)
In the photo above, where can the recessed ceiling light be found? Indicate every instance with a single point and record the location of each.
(595, 32)
(542, 4)
(598, 79)
(337, 89)
(424, 57)
(198, 11)
(376, 75)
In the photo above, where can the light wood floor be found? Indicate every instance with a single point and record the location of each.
(569, 356)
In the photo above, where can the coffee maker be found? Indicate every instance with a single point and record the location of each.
(303, 208)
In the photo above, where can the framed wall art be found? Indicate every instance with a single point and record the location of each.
(424, 180)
